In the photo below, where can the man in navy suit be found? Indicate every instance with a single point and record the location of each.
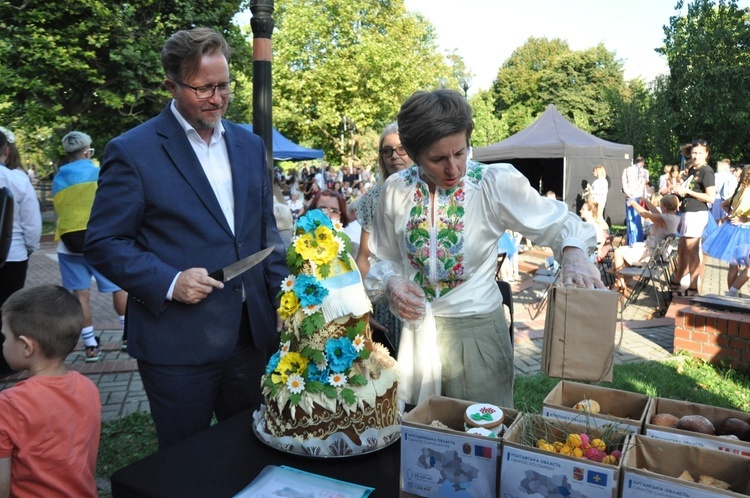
(179, 196)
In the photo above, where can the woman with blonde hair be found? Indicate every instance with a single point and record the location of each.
(392, 158)
(664, 223)
(600, 187)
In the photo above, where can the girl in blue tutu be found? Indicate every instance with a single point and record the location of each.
(731, 241)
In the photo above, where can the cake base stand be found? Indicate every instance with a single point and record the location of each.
(334, 446)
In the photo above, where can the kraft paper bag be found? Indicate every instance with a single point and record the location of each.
(579, 334)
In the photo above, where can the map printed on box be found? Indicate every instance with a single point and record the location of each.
(441, 465)
(635, 486)
(529, 473)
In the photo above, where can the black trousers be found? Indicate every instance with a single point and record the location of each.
(12, 278)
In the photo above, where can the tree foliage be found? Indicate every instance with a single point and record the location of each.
(708, 52)
(92, 64)
(339, 61)
(543, 72)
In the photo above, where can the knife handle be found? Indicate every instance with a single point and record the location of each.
(217, 275)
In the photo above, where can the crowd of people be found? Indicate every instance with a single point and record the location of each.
(187, 192)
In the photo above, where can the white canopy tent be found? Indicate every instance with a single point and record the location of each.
(556, 155)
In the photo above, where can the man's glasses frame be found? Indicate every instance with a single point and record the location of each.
(205, 92)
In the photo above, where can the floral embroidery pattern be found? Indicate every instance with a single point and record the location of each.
(436, 251)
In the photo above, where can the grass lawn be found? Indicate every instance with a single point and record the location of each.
(133, 437)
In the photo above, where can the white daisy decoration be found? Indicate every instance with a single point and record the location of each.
(311, 309)
(337, 226)
(284, 349)
(322, 365)
(358, 342)
(288, 283)
(341, 243)
(295, 383)
(337, 379)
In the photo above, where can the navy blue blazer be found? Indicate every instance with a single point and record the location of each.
(155, 214)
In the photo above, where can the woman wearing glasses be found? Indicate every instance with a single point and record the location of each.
(696, 192)
(392, 158)
(435, 236)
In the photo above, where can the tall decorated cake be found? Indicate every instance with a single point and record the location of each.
(329, 389)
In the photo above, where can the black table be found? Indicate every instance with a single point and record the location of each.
(223, 460)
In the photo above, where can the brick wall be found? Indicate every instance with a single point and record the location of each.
(714, 336)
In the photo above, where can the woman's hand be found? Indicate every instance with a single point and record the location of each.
(579, 271)
(405, 299)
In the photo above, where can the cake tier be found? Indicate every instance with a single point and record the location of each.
(323, 423)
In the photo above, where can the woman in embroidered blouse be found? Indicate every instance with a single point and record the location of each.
(435, 233)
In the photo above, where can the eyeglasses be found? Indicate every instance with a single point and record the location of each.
(205, 92)
(702, 143)
(91, 151)
(330, 211)
(388, 151)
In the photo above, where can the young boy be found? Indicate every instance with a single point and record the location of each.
(50, 422)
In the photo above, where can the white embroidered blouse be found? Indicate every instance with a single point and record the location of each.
(453, 259)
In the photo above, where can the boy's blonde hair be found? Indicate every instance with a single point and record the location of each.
(48, 314)
(670, 201)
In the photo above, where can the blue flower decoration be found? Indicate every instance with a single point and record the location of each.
(309, 291)
(314, 374)
(273, 363)
(340, 354)
(313, 219)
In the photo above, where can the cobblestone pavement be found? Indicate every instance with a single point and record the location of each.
(644, 336)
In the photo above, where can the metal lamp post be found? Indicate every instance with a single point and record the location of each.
(465, 84)
(262, 24)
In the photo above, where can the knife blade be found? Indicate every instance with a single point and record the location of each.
(237, 268)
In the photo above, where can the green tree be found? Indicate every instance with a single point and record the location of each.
(708, 52)
(93, 64)
(543, 72)
(488, 129)
(337, 59)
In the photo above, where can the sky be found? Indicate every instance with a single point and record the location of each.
(486, 32)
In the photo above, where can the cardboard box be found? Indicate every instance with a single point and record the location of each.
(447, 462)
(650, 467)
(528, 471)
(681, 408)
(626, 409)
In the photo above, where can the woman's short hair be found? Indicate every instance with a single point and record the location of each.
(426, 117)
(599, 170)
(340, 198)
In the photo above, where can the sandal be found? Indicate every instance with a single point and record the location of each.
(92, 353)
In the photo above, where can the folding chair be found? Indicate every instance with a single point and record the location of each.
(508, 302)
(500, 260)
(654, 272)
(549, 277)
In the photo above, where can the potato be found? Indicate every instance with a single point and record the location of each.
(665, 420)
(588, 405)
(696, 423)
(735, 427)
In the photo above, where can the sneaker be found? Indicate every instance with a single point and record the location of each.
(124, 345)
(92, 353)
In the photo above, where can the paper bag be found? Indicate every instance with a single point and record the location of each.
(579, 334)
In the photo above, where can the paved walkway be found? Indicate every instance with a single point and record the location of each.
(644, 336)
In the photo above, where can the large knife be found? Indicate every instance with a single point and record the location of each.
(228, 273)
